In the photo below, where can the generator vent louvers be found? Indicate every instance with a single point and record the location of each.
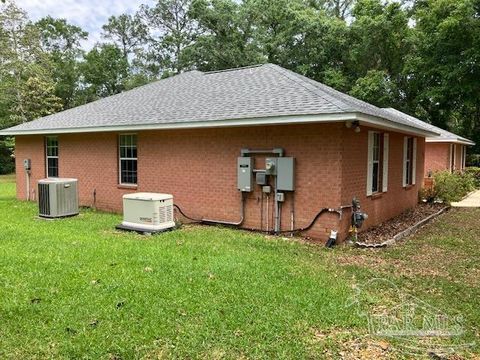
(57, 197)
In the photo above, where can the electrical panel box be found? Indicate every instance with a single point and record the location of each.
(244, 174)
(27, 164)
(285, 173)
(271, 166)
(261, 178)
(280, 197)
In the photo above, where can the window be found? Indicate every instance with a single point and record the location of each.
(51, 156)
(377, 175)
(452, 157)
(128, 159)
(409, 160)
(376, 162)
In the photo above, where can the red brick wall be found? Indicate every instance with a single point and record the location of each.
(437, 157)
(199, 168)
(396, 199)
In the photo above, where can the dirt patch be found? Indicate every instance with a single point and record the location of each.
(388, 229)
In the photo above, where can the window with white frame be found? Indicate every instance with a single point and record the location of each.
(128, 159)
(377, 169)
(409, 160)
(51, 156)
(452, 157)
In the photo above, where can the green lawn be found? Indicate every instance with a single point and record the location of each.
(76, 288)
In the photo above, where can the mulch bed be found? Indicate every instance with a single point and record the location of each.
(388, 229)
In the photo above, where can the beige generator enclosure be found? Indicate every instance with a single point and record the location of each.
(147, 212)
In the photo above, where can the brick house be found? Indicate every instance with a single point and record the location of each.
(182, 135)
(444, 152)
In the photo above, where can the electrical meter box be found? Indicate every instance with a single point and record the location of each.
(271, 166)
(27, 164)
(285, 173)
(245, 174)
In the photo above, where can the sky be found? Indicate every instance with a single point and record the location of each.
(90, 15)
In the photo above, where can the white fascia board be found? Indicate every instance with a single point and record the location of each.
(452, 141)
(389, 125)
(274, 120)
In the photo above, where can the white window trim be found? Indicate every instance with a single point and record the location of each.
(386, 148)
(120, 158)
(454, 157)
(464, 160)
(47, 157)
(383, 187)
(414, 160)
(406, 161)
(370, 163)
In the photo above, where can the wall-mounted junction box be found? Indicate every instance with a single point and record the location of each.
(286, 174)
(244, 173)
(261, 178)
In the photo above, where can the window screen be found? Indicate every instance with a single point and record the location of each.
(128, 159)
(51, 155)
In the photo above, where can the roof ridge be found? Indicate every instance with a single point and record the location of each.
(231, 69)
(294, 77)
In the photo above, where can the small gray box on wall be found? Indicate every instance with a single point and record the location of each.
(244, 174)
(286, 173)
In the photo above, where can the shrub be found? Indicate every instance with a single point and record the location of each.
(475, 172)
(473, 160)
(449, 187)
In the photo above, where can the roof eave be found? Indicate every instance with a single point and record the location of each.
(273, 120)
(452, 141)
(388, 124)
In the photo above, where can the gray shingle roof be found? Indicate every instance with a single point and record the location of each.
(444, 135)
(252, 93)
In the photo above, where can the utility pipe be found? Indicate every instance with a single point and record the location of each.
(28, 184)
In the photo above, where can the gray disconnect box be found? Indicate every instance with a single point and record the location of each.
(286, 174)
(244, 174)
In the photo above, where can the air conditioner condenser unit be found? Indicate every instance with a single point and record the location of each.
(57, 197)
(147, 212)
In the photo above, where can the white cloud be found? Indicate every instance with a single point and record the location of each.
(90, 15)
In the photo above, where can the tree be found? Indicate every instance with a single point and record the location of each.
(62, 41)
(127, 32)
(171, 30)
(225, 37)
(105, 70)
(445, 67)
(376, 88)
(23, 65)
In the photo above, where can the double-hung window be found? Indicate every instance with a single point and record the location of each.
(51, 156)
(377, 170)
(409, 160)
(128, 159)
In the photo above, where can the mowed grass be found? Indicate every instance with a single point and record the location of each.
(76, 288)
